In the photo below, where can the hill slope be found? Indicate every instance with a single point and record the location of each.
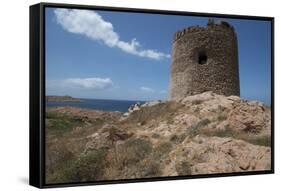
(201, 134)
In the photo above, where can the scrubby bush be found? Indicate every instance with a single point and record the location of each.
(183, 168)
(131, 159)
(196, 102)
(178, 138)
(222, 117)
(59, 123)
(56, 155)
(87, 167)
(264, 140)
(196, 128)
(155, 136)
(226, 132)
(147, 168)
(134, 150)
(162, 149)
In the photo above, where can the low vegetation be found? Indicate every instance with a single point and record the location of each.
(165, 139)
(59, 123)
(262, 140)
(178, 138)
(86, 167)
(134, 158)
(183, 168)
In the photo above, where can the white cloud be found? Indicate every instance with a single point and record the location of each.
(92, 25)
(90, 83)
(146, 89)
(84, 83)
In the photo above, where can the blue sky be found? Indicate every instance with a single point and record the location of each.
(115, 55)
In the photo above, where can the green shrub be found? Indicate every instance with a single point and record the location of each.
(127, 159)
(155, 136)
(147, 168)
(56, 155)
(196, 128)
(226, 132)
(52, 115)
(183, 168)
(162, 149)
(133, 150)
(87, 167)
(59, 123)
(196, 102)
(178, 138)
(170, 120)
(197, 109)
(264, 140)
(203, 123)
(222, 117)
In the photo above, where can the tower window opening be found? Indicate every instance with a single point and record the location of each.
(202, 58)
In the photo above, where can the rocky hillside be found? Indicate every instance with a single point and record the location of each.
(201, 134)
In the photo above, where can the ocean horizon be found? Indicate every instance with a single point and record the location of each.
(97, 104)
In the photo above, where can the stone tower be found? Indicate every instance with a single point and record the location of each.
(204, 59)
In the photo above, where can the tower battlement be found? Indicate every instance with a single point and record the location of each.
(220, 26)
(205, 58)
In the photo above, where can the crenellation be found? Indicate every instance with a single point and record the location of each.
(221, 26)
(205, 58)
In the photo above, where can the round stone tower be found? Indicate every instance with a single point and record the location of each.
(204, 59)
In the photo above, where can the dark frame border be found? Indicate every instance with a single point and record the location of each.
(37, 94)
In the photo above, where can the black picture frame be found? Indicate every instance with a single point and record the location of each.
(37, 94)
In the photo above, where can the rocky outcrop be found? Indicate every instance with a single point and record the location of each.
(209, 133)
(207, 155)
(200, 134)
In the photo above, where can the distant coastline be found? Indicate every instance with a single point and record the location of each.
(94, 104)
(62, 99)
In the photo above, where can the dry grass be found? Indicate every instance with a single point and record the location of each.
(159, 111)
(262, 140)
(64, 147)
(221, 117)
(86, 167)
(178, 138)
(197, 128)
(183, 168)
(58, 124)
(132, 159)
(162, 149)
(56, 155)
(196, 102)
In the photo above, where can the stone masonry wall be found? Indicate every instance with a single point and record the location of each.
(204, 59)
